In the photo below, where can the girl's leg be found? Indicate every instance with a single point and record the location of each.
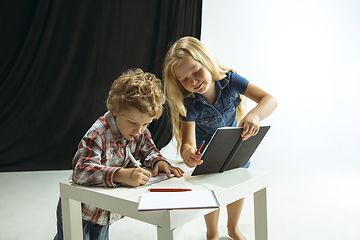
(211, 221)
(234, 211)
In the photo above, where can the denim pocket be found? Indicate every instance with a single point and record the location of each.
(206, 119)
(206, 125)
(231, 109)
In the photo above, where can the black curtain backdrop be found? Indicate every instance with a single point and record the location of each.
(58, 60)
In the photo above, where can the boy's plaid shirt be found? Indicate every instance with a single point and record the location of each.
(101, 152)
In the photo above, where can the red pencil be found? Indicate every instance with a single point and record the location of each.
(169, 189)
(202, 144)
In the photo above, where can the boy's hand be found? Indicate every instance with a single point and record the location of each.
(162, 166)
(251, 125)
(191, 159)
(132, 176)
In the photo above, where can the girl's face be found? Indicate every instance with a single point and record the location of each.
(131, 123)
(193, 76)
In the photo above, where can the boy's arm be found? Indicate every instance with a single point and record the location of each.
(148, 153)
(154, 159)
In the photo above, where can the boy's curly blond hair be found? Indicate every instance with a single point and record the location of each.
(136, 89)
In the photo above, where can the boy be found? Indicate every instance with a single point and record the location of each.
(135, 99)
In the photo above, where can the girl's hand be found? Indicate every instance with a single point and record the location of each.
(251, 125)
(132, 176)
(191, 159)
(162, 166)
(266, 105)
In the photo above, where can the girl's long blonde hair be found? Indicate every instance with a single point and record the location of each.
(183, 49)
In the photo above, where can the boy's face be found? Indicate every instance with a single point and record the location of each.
(132, 122)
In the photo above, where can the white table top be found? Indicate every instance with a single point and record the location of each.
(228, 186)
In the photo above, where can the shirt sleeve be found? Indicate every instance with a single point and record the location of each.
(237, 83)
(148, 153)
(87, 163)
(190, 111)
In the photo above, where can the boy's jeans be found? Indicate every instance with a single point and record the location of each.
(91, 231)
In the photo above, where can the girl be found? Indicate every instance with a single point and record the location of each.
(204, 95)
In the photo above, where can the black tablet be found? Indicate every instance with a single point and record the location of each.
(226, 150)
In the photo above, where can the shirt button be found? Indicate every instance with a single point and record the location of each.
(206, 121)
(218, 116)
(233, 108)
(222, 125)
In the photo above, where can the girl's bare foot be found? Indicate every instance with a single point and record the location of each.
(236, 234)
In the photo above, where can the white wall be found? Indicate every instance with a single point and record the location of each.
(306, 54)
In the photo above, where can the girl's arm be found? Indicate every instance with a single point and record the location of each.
(188, 148)
(266, 105)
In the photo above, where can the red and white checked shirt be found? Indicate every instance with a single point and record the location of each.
(101, 152)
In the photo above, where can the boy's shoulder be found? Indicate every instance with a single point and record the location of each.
(105, 124)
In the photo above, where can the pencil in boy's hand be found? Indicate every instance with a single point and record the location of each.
(202, 144)
(133, 159)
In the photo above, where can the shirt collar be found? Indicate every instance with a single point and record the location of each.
(113, 128)
(222, 83)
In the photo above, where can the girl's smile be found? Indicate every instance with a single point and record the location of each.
(200, 85)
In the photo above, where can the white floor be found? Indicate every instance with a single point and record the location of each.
(302, 205)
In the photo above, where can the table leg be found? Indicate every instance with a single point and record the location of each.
(260, 210)
(72, 219)
(170, 234)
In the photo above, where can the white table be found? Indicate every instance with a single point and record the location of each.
(228, 186)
